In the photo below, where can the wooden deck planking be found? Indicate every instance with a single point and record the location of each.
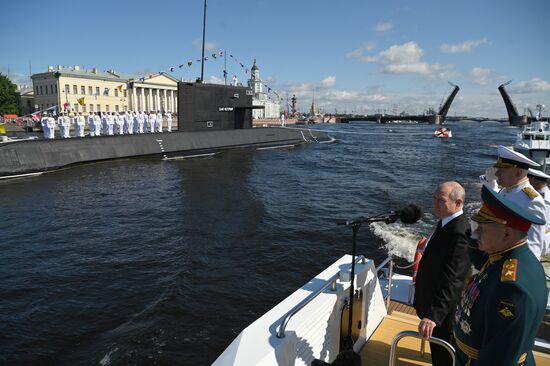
(377, 350)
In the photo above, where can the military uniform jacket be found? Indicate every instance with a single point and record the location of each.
(525, 196)
(501, 309)
(442, 270)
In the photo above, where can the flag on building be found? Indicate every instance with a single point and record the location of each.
(106, 91)
(119, 88)
(81, 101)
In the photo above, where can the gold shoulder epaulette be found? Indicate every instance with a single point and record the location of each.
(509, 270)
(530, 192)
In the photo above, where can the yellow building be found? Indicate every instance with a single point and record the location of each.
(103, 91)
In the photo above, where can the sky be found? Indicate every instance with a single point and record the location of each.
(354, 56)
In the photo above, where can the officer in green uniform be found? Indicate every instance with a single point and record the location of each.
(502, 306)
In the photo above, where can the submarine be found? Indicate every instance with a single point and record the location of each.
(211, 118)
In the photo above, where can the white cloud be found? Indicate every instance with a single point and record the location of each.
(383, 27)
(481, 76)
(464, 47)
(406, 58)
(329, 81)
(208, 46)
(534, 85)
(359, 52)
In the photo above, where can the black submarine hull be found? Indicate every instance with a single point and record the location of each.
(35, 156)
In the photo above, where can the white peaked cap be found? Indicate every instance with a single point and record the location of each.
(509, 154)
(538, 173)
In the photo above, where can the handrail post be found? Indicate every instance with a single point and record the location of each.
(390, 275)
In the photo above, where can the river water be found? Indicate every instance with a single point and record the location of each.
(149, 262)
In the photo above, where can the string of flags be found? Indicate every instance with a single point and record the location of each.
(213, 56)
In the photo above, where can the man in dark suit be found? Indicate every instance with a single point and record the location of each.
(442, 269)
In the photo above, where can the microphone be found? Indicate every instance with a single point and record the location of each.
(408, 215)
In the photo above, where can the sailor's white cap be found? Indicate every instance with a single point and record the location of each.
(538, 173)
(508, 158)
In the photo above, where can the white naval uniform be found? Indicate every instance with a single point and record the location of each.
(65, 126)
(152, 122)
(97, 124)
(119, 124)
(169, 121)
(521, 194)
(45, 127)
(51, 127)
(159, 122)
(141, 122)
(128, 123)
(145, 122)
(545, 193)
(80, 124)
(104, 122)
(91, 124)
(110, 124)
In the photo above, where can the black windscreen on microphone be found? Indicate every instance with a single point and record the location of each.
(410, 214)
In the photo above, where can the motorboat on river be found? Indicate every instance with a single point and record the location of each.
(312, 323)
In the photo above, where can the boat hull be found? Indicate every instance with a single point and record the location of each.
(33, 156)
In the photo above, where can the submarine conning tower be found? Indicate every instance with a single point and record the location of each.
(203, 107)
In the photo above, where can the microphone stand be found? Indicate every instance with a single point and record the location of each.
(355, 225)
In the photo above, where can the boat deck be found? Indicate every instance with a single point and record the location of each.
(403, 317)
(377, 350)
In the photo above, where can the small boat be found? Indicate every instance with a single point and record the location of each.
(443, 132)
(312, 323)
(534, 140)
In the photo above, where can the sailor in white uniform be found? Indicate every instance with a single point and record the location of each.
(97, 124)
(119, 124)
(45, 127)
(159, 121)
(152, 122)
(110, 123)
(51, 126)
(91, 124)
(128, 122)
(168, 121)
(140, 121)
(539, 180)
(65, 126)
(511, 173)
(104, 122)
(80, 124)
(145, 121)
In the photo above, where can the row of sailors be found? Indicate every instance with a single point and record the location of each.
(108, 124)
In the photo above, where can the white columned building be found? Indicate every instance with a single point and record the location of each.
(156, 92)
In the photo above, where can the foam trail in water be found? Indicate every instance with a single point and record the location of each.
(400, 240)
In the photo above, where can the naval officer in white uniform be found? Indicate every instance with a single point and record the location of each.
(511, 173)
(80, 124)
(91, 124)
(159, 121)
(168, 121)
(97, 120)
(539, 180)
(44, 124)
